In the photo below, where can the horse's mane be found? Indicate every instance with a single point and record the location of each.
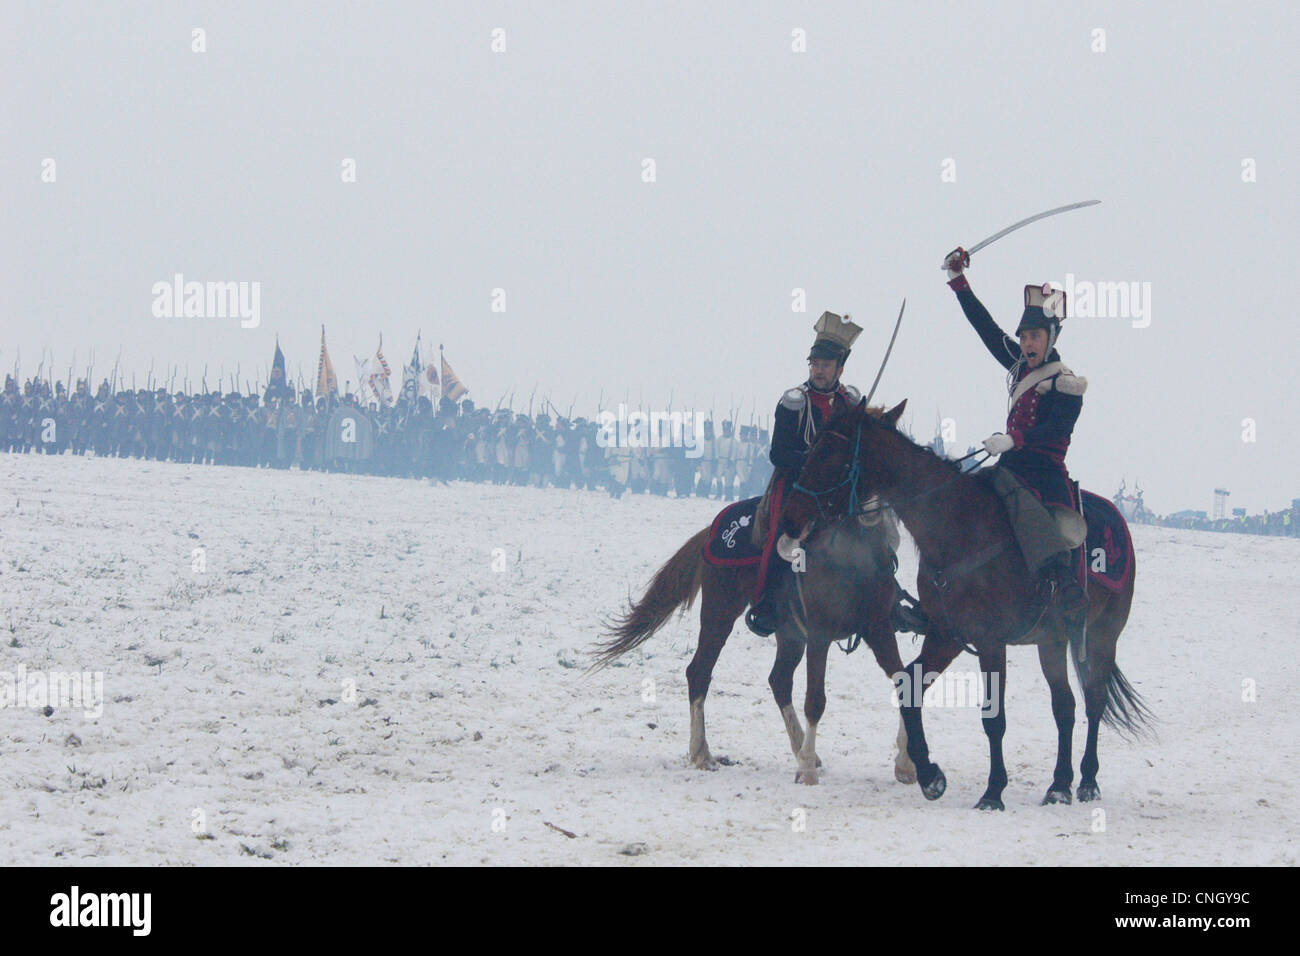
(878, 412)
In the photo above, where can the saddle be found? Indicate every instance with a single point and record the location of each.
(1041, 530)
(1105, 560)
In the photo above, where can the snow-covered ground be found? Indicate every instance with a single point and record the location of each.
(350, 671)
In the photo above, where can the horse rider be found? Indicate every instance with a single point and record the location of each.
(1045, 399)
(801, 411)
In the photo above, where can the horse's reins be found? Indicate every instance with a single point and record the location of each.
(855, 470)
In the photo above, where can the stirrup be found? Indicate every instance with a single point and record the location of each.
(1052, 596)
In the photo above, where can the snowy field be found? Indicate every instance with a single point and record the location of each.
(350, 672)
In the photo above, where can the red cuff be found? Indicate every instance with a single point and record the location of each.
(1018, 437)
(958, 283)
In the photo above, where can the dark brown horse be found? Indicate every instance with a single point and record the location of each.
(848, 588)
(974, 585)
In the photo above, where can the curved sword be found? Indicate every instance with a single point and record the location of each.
(885, 360)
(1024, 222)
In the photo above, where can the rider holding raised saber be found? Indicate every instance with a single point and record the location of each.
(1045, 399)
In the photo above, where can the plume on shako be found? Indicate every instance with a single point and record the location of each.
(835, 337)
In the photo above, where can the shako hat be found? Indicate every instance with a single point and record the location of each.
(1044, 309)
(835, 337)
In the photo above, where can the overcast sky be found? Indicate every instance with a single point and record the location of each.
(774, 170)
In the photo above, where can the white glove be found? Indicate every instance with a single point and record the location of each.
(997, 444)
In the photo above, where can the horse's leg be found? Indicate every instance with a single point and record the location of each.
(699, 673)
(721, 602)
(1052, 658)
(993, 670)
(789, 652)
(1101, 660)
(885, 647)
(937, 652)
(904, 769)
(814, 705)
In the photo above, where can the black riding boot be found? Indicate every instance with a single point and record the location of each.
(765, 615)
(1059, 583)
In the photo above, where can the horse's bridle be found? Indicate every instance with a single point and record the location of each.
(855, 469)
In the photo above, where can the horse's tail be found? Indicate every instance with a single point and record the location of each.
(1125, 710)
(674, 586)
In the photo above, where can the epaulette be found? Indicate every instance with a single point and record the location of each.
(794, 399)
(1065, 382)
(1071, 384)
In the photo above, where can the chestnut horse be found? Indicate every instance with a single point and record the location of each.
(975, 587)
(848, 588)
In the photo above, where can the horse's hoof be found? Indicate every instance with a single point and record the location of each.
(1058, 796)
(937, 785)
(704, 761)
(989, 803)
(806, 777)
(904, 776)
(1088, 792)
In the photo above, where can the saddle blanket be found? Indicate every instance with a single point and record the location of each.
(731, 538)
(1109, 554)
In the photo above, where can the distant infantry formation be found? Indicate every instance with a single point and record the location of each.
(410, 438)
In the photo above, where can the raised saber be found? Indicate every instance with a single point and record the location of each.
(885, 360)
(1024, 222)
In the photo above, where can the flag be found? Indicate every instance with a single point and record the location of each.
(411, 375)
(379, 373)
(275, 387)
(326, 382)
(452, 386)
(429, 381)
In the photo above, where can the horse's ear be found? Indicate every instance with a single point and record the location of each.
(894, 414)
